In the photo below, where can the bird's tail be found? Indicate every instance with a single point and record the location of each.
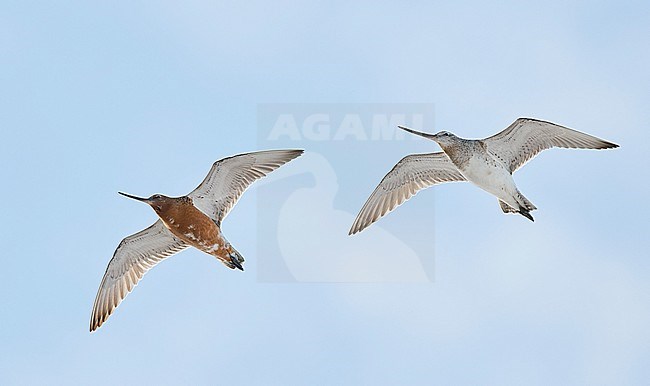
(421, 134)
(524, 203)
(525, 206)
(523, 210)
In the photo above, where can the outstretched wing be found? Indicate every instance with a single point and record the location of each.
(231, 176)
(412, 174)
(134, 256)
(526, 137)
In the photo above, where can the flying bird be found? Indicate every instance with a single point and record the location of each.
(191, 220)
(487, 163)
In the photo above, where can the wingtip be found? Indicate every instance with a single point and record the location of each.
(607, 145)
(295, 153)
(356, 228)
(95, 322)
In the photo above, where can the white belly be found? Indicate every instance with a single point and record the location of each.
(489, 175)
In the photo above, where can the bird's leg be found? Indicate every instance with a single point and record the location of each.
(526, 214)
(235, 258)
(235, 261)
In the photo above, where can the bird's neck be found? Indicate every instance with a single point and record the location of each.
(175, 207)
(460, 151)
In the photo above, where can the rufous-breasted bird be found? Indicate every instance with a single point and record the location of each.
(191, 220)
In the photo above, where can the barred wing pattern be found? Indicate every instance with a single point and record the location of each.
(230, 177)
(135, 255)
(527, 137)
(412, 174)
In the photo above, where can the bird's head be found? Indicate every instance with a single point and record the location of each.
(444, 138)
(158, 202)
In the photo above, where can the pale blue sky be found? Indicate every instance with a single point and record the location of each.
(96, 98)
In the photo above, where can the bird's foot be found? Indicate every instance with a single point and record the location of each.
(526, 214)
(234, 260)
